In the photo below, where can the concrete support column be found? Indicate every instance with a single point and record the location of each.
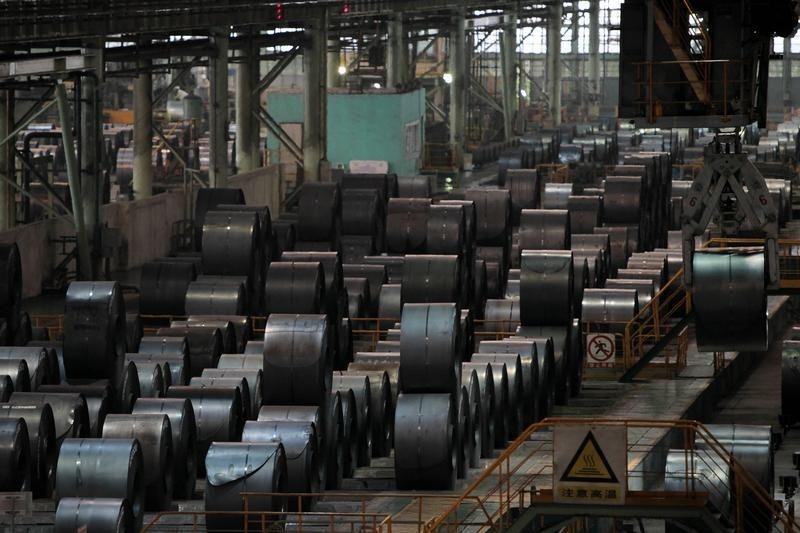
(594, 52)
(316, 98)
(396, 54)
(247, 127)
(333, 76)
(91, 135)
(577, 77)
(458, 87)
(6, 160)
(554, 60)
(218, 111)
(787, 74)
(508, 53)
(142, 133)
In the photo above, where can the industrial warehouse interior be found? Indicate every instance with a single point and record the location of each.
(400, 266)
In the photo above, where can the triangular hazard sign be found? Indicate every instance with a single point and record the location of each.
(589, 465)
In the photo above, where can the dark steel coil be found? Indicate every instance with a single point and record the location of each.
(502, 415)
(380, 362)
(250, 361)
(431, 279)
(471, 388)
(184, 439)
(41, 442)
(384, 184)
(312, 414)
(10, 280)
(253, 378)
(252, 347)
(556, 195)
(585, 213)
(610, 308)
(134, 331)
(350, 440)
(17, 370)
(577, 354)
(407, 225)
(425, 445)
(261, 211)
(730, 300)
(493, 215)
(623, 200)
(586, 268)
(24, 332)
(390, 303)
(560, 346)
(6, 388)
(643, 287)
(236, 467)
(496, 269)
(540, 347)
(414, 186)
(446, 233)
(361, 389)
(480, 290)
(375, 275)
(165, 345)
(523, 187)
(102, 468)
(193, 258)
(320, 210)
(295, 287)
(703, 470)
(546, 287)
(154, 378)
(230, 342)
(297, 360)
(208, 199)
(619, 249)
(154, 434)
(470, 223)
(204, 297)
(218, 413)
(544, 229)
(355, 248)
(249, 412)
(463, 433)
(175, 365)
(529, 366)
(334, 442)
(335, 302)
(381, 407)
(392, 263)
(284, 237)
(358, 297)
(501, 316)
(70, 414)
(429, 361)
(112, 515)
(515, 158)
(205, 346)
(299, 440)
(163, 287)
(466, 333)
(15, 455)
(656, 276)
(363, 213)
(126, 390)
(100, 401)
(751, 445)
(94, 330)
(600, 244)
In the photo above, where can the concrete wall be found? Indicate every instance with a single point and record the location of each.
(261, 186)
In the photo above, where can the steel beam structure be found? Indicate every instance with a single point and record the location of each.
(315, 97)
(218, 112)
(6, 167)
(554, 61)
(247, 126)
(457, 62)
(142, 135)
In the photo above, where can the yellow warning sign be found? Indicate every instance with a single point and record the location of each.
(589, 465)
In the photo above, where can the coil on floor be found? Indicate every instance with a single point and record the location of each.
(17, 370)
(599, 244)
(495, 261)
(730, 300)
(556, 195)
(249, 412)
(431, 279)
(312, 414)
(204, 346)
(335, 303)
(350, 442)
(253, 377)
(208, 198)
(70, 414)
(585, 213)
(375, 275)
(100, 401)
(24, 332)
(204, 297)
(320, 209)
(94, 330)
(407, 225)
(619, 246)
(543, 348)
(154, 378)
(529, 366)
(414, 186)
(501, 316)
(41, 442)
(162, 290)
(562, 359)
(299, 440)
(622, 201)
(382, 408)
(358, 297)
(523, 187)
(463, 433)
(334, 448)
(544, 229)
(284, 237)
(175, 365)
(236, 467)
(493, 216)
(235, 329)
(297, 360)
(425, 442)
(295, 287)
(363, 213)
(154, 434)
(546, 287)
(355, 248)
(751, 445)
(15, 455)
(390, 303)
(102, 468)
(113, 515)
(392, 263)
(428, 343)
(362, 413)
(252, 360)
(446, 229)
(611, 308)
(134, 331)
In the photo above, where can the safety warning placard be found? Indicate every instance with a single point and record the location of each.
(601, 350)
(590, 464)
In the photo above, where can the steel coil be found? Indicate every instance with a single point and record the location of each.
(610, 308)
(204, 297)
(24, 330)
(6, 388)
(162, 290)
(463, 433)
(380, 362)
(295, 287)
(523, 187)
(730, 300)
(544, 229)
(112, 515)
(390, 303)
(358, 296)
(656, 276)
(355, 248)
(174, 347)
(393, 265)
(252, 347)
(446, 233)
(94, 330)
(363, 212)
(556, 195)
(218, 413)
(414, 187)
(350, 438)
(546, 287)
(175, 365)
(384, 184)
(312, 414)
(493, 216)
(471, 389)
(208, 198)
(100, 401)
(623, 200)
(333, 276)
(235, 330)
(495, 260)
(529, 400)
(70, 414)
(154, 378)
(236, 467)
(431, 279)
(363, 413)
(561, 373)
(184, 438)
(334, 448)
(249, 412)
(425, 446)
(480, 289)
(752, 446)
(134, 331)
(248, 361)
(41, 442)
(253, 378)
(429, 361)
(320, 210)
(643, 287)
(585, 213)
(15, 455)
(700, 470)
(299, 440)
(501, 316)
(407, 225)
(541, 348)
(204, 346)
(17, 370)
(375, 275)
(381, 407)
(600, 244)
(284, 237)
(297, 360)
(591, 262)
(154, 434)
(619, 250)
(102, 468)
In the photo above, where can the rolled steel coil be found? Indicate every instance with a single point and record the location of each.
(529, 366)
(446, 232)
(592, 262)
(332, 268)
(184, 439)
(126, 389)
(253, 377)
(513, 159)
(355, 248)
(262, 213)
(380, 362)
(701, 470)
(300, 413)
(102, 468)
(570, 154)
(284, 237)
(580, 282)
(299, 442)
(375, 275)
(425, 446)
(493, 215)
(320, 209)
(246, 361)
(429, 361)
(643, 287)
(297, 360)
(501, 414)
(619, 250)
(252, 347)
(390, 303)
(94, 330)
(208, 198)
(313, 246)
(350, 437)
(113, 515)
(523, 187)
(407, 225)
(15, 455)
(249, 412)
(610, 308)
(495, 260)
(414, 187)
(218, 413)
(41, 442)
(17, 370)
(358, 296)
(585, 213)
(556, 195)
(656, 276)
(334, 448)
(24, 332)
(647, 261)
(388, 346)
(163, 287)
(6, 388)
(381, 407)
(623, 200)
(154, 434)
(360, 386)
(154, 378)
(600, 244)
(166, 345)
(752, 446)
(204, 346)
(546, 287)
(295, 287)
(134, 331)
(470, 224)
(501, 316)
(543, 348)
(175, 365)
(471, 389)
(393, 265)
(479, 290)
(463, 433)
(544, 229)
(208, 298)
(193, 258)
(70, 414)
(560, 346)
(236, 467)
(384, 184)
(100, 401)
(230, 343)
(466, 333)
(363, 212)
(431, 279)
